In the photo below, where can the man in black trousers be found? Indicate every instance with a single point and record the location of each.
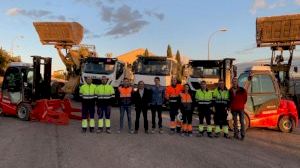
(141, 99)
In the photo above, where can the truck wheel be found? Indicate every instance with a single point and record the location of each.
(246, 120)
(23, 111)
(286, 124)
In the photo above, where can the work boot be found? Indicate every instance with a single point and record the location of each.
(178, 129)
(161, 131)
(100, 130)
(83, 130)
(226, 136)
(242, 138)
(200, 134)
(92, 129)
(217, 135)
(236, 136)
(209, 134)
(183, 134)
(108, 130)
(172, 131)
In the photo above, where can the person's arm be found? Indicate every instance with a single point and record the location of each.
(167, 94)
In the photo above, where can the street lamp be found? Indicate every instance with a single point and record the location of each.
(13, 44)
(210, 37)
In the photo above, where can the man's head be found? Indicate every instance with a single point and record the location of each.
(186, 88)
(104, 80)
(89, 80)
(141, 85)
(203, 85)
(174, 81)
(235, 82)
(126, 82)
(157, 80)
(221, 84)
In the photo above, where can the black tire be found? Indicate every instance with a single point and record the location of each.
(247, 123)
(286, 124)
(23, 111)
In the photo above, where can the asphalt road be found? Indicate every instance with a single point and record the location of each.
(40, 145)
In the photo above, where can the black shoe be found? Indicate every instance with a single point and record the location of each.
(209, 134)
(200, 134)
(236, 136)
(178, 129)
(92, 129)
(227, 136)
(83, 130)
(136, 132)
(99, 130)
(108, 130)
(242, 138)
(217, 135)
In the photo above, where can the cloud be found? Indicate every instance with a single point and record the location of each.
(89, 34)
(159, 16)
(263, 4)
(123, 20)
(34, 14)
(297, 2)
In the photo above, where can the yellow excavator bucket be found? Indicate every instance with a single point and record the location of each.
(59, 33)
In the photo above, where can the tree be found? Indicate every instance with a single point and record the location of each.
(169, 52)
(4, 58)
(179, 67)
(146, 53)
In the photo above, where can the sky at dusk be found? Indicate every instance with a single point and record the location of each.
(118, 26)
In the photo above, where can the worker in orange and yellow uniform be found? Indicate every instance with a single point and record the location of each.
(105, 94)
(87, 93)
(204, 99)
(186, 110)
(125, 101)
(221, 99)
(172, 95)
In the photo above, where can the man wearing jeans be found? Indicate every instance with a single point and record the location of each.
(125, 104)
(158, 94)
(238, 99)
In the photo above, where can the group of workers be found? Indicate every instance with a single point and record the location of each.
(181, 102)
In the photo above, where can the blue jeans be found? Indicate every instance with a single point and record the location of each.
(122, 112)
(241, 115)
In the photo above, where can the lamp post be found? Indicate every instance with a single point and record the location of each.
(209, 39)
(13, 44)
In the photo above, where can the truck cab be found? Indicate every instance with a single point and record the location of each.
(210, 71)
(265, 105)
(96, 67)
(146, 68)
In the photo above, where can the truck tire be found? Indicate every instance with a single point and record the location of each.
(246, 120)
(23, 111)
(286, 124)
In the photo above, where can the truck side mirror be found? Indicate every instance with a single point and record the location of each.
(296, 69)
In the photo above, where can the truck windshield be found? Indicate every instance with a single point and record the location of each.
(205, 72)
(242, 79)
(153, 67)
(99, 68)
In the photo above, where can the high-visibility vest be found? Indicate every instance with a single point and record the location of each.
(125, 92)
(87, 91)
(186, 98)
(203, 97)
(172, 93)
(104, 91)
(221, 96)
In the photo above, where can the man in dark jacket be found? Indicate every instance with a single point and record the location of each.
(238, 99)
(141, 99)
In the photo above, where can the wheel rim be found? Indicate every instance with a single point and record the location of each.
(287, 124)
(22, 112)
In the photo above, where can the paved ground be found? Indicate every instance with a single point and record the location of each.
(34, 144)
